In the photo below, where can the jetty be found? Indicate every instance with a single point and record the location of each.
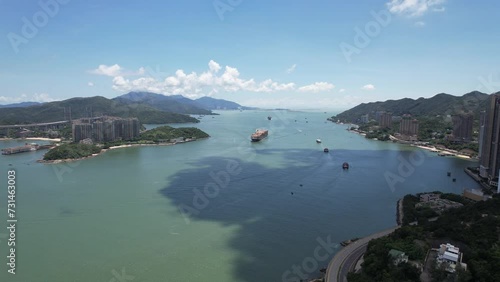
(27, 147)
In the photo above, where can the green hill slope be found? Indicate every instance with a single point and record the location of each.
(85, 107)
(441, 104)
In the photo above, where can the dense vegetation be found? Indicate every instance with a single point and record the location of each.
(378, 265)
(474, 228)
(433, 130)
(439, 105)
(84, 107)
(163, 133)
(71, 151)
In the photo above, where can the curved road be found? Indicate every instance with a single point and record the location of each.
(345, 260)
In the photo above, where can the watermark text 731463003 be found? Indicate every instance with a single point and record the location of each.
(11, 221)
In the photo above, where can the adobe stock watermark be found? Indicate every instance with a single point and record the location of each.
(223, 6)
(406, 168)
(63, 168)
(363, 37)
(201, 198)
(491, 83)
(321, 253)
(121, 277)
(31, 26)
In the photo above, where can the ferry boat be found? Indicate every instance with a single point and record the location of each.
(259, 135)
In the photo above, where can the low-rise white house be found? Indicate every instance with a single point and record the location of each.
(451, 256)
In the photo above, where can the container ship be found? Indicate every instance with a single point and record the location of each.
(259, 135)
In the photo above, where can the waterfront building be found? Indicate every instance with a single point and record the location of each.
(408, 126)
(462, 128)
(489, 160)
(385, 120)
(105, 129)
(475, 195)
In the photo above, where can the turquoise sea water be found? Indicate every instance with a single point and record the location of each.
(219, 209)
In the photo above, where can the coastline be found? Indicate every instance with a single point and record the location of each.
(33, 138)
(399, 212)
(112, 148)
(444, 152)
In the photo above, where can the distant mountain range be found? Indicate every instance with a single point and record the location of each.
(20, 105)
(147, 107)
(179, 103)
(441, 104)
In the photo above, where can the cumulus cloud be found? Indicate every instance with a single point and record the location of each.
(368, 87)
(113, 70)
(213, 66)
(116, 70)
(291, 69)
(209, 82)
(414, 8)
(342, 90)
(90, 83)
(37, 97)
(317, 87)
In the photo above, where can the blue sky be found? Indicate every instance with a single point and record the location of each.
(296, 54)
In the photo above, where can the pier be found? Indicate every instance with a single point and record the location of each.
(25, 148)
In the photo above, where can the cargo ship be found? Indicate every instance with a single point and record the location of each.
(259, 135)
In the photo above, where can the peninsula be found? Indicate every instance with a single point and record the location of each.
(163, 135)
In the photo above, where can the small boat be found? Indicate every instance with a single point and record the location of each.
(449, 173)
(318, 140)
(345, 166)
(269, 118)
(325, 150)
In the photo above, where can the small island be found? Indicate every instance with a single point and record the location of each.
(163, 135)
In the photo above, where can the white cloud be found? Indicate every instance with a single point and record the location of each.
(113, 70)
(368, 87)
(419, 24)
(90, 83)
(116, 70)
(291, 69)
(213, 66)
(342, 90)
(317, 87)
(413, 8)
(210, 82)
(37, 97)
(440, 9)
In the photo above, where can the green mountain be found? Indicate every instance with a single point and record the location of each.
(86, 107)
(175, 104)
(20, 105)
(441, 104)
(214, 104)
(180, 104)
